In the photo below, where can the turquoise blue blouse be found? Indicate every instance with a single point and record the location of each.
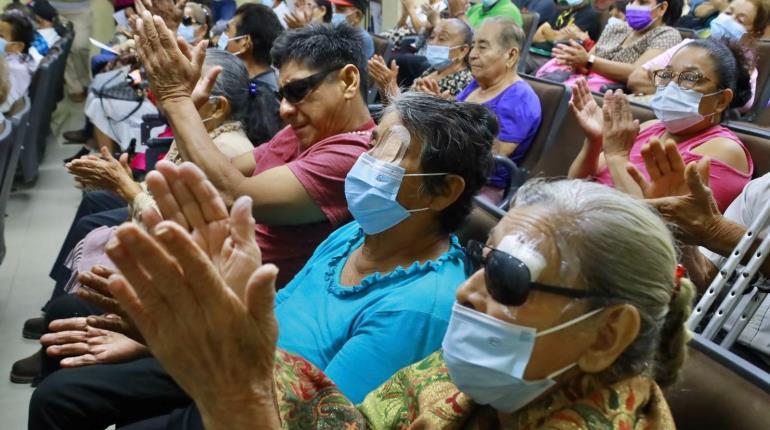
(361, 335)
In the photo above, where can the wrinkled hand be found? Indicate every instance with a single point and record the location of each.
(572, 31)
(458, 7)
(695, 214)
(184, 195)
(96, 292)
(385, 78)
(84, 345)
(620, 127)
(430, 86)
(299, 18)
(665, 167)
(572, 54)
(219, 346)
(170, 11)
(102, 172)
(587, 112)
(172, 66)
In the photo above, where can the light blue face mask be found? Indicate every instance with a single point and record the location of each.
(186, 32)
(225, 40)
(726, 27)
(487, 357)
(339, 18)
(371, 188)
(677, 108)
(487, 4)
(3, 42)
(268, 3)
(438, 56)
(573, 3)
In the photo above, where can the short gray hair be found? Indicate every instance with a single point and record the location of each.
(511, 35)
(619, 247)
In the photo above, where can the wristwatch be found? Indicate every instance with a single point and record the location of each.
(590, 62)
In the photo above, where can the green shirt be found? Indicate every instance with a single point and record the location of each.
(476, 13)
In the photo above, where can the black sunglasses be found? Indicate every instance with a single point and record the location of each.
(188, 20)
(295, 91)
(508, 278)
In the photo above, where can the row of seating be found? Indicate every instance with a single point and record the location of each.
(23, 134)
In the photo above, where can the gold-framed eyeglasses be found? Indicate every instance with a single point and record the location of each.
(686, 79)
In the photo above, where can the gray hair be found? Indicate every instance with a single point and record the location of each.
(232, 82)
(619, 247)
(456, 138)
(511, 35)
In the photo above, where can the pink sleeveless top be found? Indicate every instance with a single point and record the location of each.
(725, 181)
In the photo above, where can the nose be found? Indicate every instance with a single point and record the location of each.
(473, 292)
(287, 109)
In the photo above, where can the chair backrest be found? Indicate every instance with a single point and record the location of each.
(687, 33)
(757, 141)
(554, 103)
(40, 95)
(6, 149)
(530, 21)
(718, 390)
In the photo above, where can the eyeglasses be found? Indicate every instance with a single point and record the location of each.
(296, 91)
(686, 80)
(508, 278)
(188, 20)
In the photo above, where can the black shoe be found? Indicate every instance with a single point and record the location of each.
(83, 151)
(26, 370)
(34, 328)
(75, 136)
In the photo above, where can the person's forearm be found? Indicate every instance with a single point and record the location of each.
(417, 22)
(704, 10)
(616, 164)
(700, 269)
(196, 146)
(614, 70)
(640, 82)
(725, 237)
(128, 190)
(585, 164)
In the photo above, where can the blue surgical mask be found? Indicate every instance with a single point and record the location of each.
(371, 188)
(225, 40)
(573, 3)
(186, 32)
(487, 4)
(3, 42)
(487, 357)
(438, 56)
(726, 27)
(677, 108)
(339, 18)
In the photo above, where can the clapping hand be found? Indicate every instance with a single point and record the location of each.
(170, 11)
(619, 126)
(81, 344)
(587, 112)
(430, 86)
(571, 54)
(385, 78)
(102, 172)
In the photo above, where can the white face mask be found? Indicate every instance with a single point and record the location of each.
(487, 358)
(677, 108)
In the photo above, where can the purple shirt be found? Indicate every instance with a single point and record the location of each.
(518, 112)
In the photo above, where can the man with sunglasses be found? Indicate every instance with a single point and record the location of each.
(296, 180)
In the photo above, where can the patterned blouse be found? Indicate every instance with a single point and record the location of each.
(610, 43)
(422, 396)
(453, 83)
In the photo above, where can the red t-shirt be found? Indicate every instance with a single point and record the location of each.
(321, 169)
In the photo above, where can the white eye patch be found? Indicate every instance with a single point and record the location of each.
(525, 250)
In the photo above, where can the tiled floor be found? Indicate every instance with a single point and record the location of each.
(38, 219)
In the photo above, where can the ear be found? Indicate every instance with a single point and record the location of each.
(351, 80)
(454, 185)
(514, 56)
(663, 7)
(223, 107)
(620, 328)
(724, 100)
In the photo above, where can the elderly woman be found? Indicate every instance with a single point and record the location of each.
(379, 289)
(195, 24)
(232, 114)
(743, 22)
(447, 52)
(573, 318)
(496, 85)
(620, 49)
(703, 80)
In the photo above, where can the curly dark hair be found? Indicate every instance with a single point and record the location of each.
(456, 138)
